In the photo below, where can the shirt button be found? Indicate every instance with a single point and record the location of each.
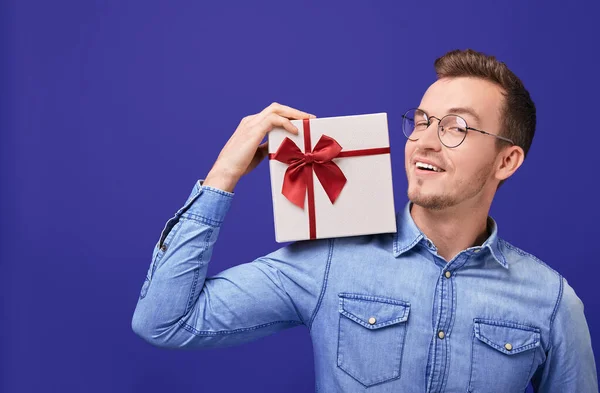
(163, 247)
(508, 346)
(447, 274)
(477, 250)
(372, 320)
(441, 334)
(429, 244)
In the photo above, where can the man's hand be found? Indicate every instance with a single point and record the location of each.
(243, 152)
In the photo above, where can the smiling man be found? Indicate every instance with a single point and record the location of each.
(443, 305)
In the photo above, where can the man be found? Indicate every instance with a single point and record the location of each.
(443, 305)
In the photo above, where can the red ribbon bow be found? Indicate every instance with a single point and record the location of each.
(301, 165)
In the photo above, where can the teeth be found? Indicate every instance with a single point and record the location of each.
(428, 166)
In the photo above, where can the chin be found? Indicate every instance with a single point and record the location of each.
(432, 201)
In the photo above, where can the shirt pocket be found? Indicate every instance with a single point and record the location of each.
(502, 355)
(371, 337)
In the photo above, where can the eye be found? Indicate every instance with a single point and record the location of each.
(421, 125)
(456, 129)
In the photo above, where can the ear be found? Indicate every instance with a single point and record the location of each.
(509, 160)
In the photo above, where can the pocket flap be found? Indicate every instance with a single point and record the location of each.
(373, 312)
(505, 336)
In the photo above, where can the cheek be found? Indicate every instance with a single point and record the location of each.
(408, 149)
(471, 170)
(472, 160)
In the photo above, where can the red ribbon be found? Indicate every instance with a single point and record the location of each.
(298, 179)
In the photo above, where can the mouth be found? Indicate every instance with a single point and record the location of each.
(425, 168)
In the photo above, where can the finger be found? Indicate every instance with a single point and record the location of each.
(283, 122)
(279, 121)
(293, 113)
(263, 150)
(287, 111)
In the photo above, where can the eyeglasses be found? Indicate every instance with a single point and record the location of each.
(452, 129)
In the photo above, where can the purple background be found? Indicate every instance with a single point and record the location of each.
(110, 111)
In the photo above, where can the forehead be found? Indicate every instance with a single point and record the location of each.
(483, 97)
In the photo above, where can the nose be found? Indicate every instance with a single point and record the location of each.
(429, 139)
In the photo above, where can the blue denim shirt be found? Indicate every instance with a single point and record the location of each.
(385, 312)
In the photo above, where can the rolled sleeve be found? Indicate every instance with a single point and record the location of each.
(207, 204)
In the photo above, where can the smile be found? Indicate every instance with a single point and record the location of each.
(428, 167)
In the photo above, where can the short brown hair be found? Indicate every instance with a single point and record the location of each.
(518, 113)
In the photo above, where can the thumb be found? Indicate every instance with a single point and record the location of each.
(261, 153)
(263, 148)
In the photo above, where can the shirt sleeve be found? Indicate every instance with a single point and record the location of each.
(179, 307)
(570, 366)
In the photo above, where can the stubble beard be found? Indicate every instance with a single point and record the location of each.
(464, 190)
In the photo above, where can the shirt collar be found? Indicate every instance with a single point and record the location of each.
(409, 235)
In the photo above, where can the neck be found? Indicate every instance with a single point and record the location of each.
(453, 229)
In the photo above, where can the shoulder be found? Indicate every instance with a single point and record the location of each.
(530, 270)
(523, 260)
(569, 303)
(302, 251)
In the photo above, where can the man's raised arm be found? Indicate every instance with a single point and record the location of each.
(180, 307)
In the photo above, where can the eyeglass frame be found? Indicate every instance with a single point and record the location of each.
(438, 128)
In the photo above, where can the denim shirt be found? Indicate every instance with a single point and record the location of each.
(385, 312)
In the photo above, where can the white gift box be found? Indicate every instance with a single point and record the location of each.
(365, 204)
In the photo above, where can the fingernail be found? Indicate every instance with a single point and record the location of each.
(313, 116)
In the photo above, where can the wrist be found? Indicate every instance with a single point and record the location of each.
(221, 180)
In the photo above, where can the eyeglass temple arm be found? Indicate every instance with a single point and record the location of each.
(487, 133)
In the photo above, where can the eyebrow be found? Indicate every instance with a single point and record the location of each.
(467, 111)
(462, 111)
